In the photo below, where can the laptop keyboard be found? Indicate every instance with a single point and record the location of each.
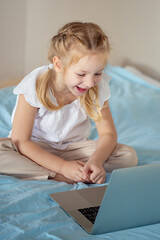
(90, 213)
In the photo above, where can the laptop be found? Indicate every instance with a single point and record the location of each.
(131, 199)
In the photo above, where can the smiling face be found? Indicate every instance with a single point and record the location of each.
(85, 74)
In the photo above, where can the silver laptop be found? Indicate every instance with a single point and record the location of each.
(131, 199)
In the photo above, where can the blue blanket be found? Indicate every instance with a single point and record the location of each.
(27, 212)
(135, 107)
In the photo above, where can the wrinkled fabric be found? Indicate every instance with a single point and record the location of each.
(26, 210)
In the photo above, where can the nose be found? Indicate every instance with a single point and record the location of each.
(90, 82)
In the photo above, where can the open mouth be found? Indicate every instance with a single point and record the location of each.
(81, 90)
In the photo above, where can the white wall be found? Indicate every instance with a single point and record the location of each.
(12, 38)
(133, 27)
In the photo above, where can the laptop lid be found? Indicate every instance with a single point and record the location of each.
(132, 199)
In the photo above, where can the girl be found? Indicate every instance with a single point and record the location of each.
(51, 117)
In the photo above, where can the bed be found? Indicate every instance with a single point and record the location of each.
(26, 210)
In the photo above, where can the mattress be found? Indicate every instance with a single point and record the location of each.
(26, 210)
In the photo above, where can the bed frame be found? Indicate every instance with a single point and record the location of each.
(8, 83)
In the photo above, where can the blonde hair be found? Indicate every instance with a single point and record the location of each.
(79, 39)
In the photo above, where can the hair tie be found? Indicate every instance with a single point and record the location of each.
(50, 66)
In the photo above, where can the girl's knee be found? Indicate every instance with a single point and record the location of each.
(123, 156)
(131, 159)
(6, 144)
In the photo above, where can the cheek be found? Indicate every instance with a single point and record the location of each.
(68, 79)
(72, 80)
(98, 80)
(76, 80)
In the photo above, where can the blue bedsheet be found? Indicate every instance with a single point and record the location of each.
(27, 212)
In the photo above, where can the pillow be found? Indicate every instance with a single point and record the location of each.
(142, 76)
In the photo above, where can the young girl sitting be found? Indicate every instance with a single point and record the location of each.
(51, 118)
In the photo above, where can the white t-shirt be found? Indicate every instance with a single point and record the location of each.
(61, 127)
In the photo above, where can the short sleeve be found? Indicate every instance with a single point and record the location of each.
(104, 90)
(27, 87)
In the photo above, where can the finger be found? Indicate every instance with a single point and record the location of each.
(81, 168)
(101, 180)
(88, 180)
(95, 178)
(81, 163)
(86, 172)
(80, 176)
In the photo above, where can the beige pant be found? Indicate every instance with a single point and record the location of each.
(14, 164)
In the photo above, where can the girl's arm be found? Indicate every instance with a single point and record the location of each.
(21, 133)
(105, 145)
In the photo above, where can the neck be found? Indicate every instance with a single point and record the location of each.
(61, 92)
(64, 97)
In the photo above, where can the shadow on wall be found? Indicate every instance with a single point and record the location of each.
(150, 71)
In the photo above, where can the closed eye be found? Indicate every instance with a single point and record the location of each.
(98, 74)
(81, 75)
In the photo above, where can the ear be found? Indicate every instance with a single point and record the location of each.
(57, 63)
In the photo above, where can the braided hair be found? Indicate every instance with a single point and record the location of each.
(73, 41)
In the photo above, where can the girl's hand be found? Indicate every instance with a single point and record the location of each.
(94, 171)
(73, 170)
